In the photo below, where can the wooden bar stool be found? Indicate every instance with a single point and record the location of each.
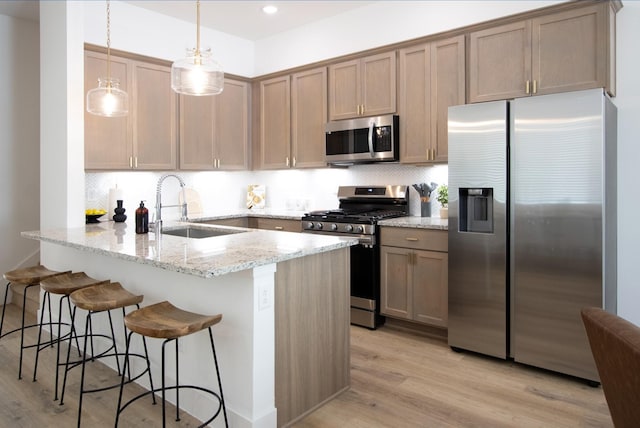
(62, 285)
(29, 277)
(97, 299)
(165, 321)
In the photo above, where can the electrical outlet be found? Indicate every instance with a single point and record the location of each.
(265, 300)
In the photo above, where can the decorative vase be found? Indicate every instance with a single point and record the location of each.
(119, 217)
(444, 212)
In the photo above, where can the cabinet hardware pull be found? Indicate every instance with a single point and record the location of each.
(433, 154)
(218, 163)
(362, 109)
(526, 88)
(286, 161)
(135, 162)
(294, 161)
(535, 86)
(279, 228)
(130, 161)
(411, 239)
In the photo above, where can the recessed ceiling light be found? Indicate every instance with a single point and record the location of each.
(270, 9)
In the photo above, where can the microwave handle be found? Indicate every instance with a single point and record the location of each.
(370, 139)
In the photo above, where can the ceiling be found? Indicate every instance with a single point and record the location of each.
(241, 18)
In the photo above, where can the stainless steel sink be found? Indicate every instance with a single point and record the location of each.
(199, 232)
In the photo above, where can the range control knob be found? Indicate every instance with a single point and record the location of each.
(359, 229)
(334, 226)
(319, 225)
(349, 228)
(310, 225)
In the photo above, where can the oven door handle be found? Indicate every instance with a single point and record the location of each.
(370, 137)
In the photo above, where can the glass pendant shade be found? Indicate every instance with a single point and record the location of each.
(198, 74)
(108, 99)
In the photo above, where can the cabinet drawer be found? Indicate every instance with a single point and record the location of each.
(276, 224)
(420, 239)
(235, 221)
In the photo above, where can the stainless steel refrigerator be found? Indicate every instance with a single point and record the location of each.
(532, 226)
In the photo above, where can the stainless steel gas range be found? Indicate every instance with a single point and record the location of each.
(360, 210)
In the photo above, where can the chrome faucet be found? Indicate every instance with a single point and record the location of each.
(183, 217)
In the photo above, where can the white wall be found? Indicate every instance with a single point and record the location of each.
(377, 24)
(139, 30)
(19, 141)
(628, 103)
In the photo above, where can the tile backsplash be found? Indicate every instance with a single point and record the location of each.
(303, 190)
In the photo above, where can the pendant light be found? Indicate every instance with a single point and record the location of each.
(198, 74)
(108, 99)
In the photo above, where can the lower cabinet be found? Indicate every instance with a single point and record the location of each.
(275, 224)
(414, 275)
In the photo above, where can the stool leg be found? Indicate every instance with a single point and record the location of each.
(177, 384)
(215, 360)
(163, 387)
(124, 369)
(73, 327)
(115, 347)
(4, 305)
(84, 360)
(44, 304)
(24, 306)
(66, 366)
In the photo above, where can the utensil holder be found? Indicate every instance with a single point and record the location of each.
(425, 207)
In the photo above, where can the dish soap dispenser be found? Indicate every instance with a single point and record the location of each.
(142, 219)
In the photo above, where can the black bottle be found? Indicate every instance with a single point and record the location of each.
(142, 219)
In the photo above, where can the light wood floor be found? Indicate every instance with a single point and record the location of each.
(398, 380)
(405, 380)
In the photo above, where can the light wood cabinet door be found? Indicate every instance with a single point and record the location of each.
(308, 118)
(396, 294)
(414, 106)
(154, 118)
(430, 279)
(432, 78)
(275, 123)
(363, 87)
(196, 133)
(569, 51)
(379, 84)
(231, 126)
(108, 140)
(499, 62)
(448, 71)
(345, 91)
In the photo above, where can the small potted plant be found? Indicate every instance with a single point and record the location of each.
(443, 198)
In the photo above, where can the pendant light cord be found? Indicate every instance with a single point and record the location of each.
(108, 44)
(197, 28)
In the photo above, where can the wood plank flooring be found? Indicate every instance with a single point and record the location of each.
(398, 379)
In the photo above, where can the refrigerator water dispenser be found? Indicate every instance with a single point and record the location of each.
(475, 210)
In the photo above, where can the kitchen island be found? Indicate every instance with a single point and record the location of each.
(283, 343)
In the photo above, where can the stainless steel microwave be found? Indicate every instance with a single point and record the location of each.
(362, 140)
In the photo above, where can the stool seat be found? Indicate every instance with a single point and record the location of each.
(68, 283)
(31, 275)
(104, 297)
(165, 321)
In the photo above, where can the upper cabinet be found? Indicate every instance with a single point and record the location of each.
(146, 138)
(431, 78)
(293, 112)
(275, 123)
(214, 130)
(308, 117)
(560, 52)
(363, 87)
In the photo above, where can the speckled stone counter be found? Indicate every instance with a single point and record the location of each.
(417, 222)
(207, 257)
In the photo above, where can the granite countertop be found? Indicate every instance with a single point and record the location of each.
(207, 257)
(417, 222)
